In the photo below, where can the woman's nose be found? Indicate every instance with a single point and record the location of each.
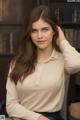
(40, 34)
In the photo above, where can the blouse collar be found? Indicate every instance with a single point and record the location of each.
(53, 57)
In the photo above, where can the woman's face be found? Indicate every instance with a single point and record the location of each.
(42, 34)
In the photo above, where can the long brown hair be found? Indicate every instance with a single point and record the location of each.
(25, 62)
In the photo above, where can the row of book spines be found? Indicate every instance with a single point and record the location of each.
(73, 36)
(68, 15)
(6, 43)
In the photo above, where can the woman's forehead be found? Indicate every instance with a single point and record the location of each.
(40, 23)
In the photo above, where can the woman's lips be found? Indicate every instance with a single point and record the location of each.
(41, 41)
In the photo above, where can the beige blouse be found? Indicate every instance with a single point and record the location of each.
(43, 90)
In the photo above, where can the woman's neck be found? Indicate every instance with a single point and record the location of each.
(44, 54)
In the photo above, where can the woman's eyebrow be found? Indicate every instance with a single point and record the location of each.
(35, 29)
(45, 28)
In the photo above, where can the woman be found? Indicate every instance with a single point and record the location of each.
(35, 85)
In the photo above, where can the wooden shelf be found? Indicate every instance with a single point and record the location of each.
(71, 25)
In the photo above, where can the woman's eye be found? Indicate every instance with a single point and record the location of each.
(33, 31)
(45, 30)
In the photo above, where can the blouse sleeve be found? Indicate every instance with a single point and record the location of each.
(13, 106)
(71, 57)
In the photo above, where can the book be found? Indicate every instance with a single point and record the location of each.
(5, 46)
(73, 36)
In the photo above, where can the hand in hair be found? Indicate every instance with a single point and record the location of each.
(61, 36)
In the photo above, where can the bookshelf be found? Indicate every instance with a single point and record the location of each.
(9, 38)
(68, 12)
(11, 12)
(69, 15)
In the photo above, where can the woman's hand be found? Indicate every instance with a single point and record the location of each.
(61, 36)
(43, 118)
